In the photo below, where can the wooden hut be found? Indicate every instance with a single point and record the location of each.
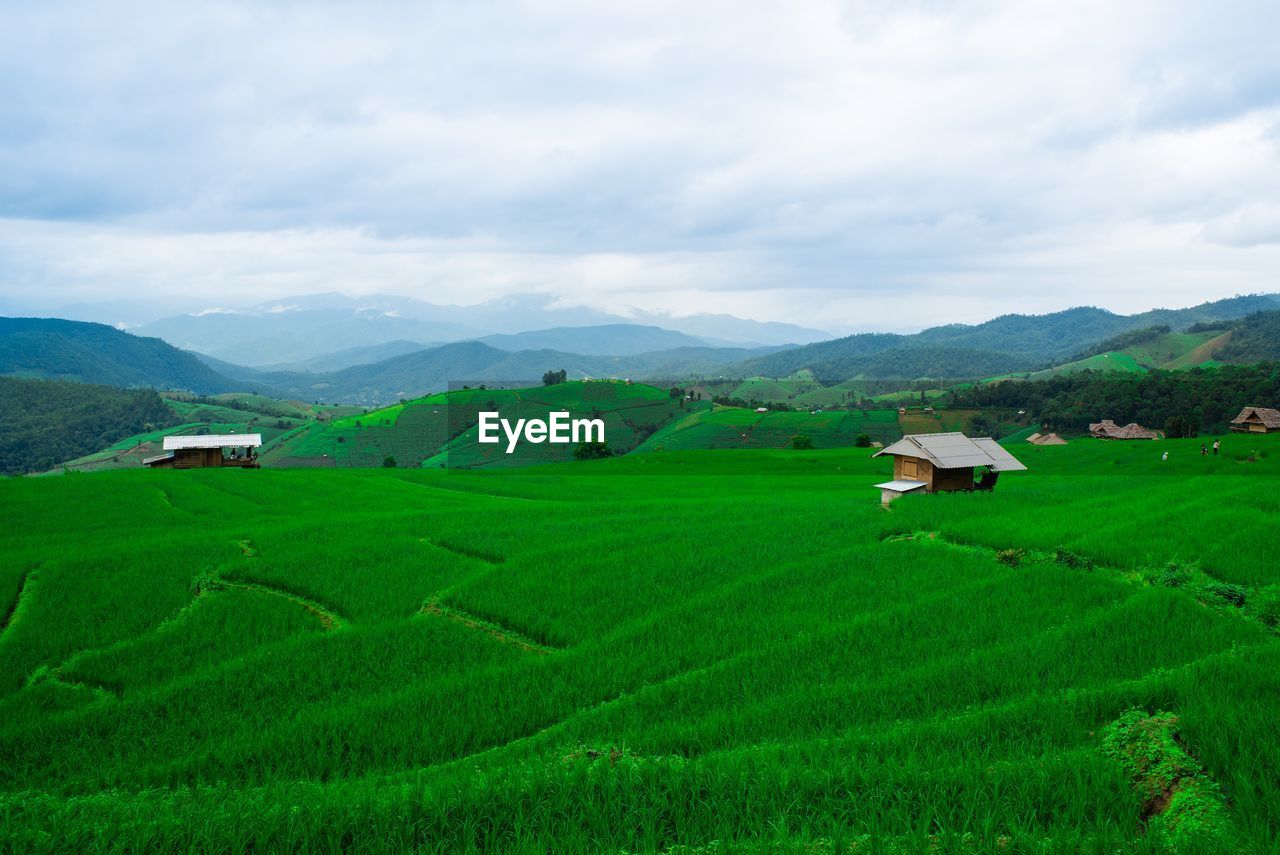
(944, 462)
(1107, 429)
(1256, 420)
(207, 450)
(1046, 439)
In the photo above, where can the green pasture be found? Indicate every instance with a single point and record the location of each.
(678, 651)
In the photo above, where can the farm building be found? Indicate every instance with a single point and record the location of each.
(944, 462)
(1046, 439)
(1107, 429)
(1256, 420)
(199, 452)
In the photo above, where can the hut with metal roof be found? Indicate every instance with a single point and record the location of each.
(1257, 420)
(206, 450)
(944, 462)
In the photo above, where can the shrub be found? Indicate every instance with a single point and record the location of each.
(1175, 575)
(862, 440)
(801, 442)
(1067, 558)
(592, 451)
(1234, 595)
(1012, 557)
(388, 463)
(1267, 605)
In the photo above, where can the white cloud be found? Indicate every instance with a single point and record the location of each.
(827, 163)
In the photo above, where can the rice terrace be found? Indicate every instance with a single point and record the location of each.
(651, 428)
(678, 650)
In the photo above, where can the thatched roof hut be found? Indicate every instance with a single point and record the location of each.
(1046, 439)
(1107, 429)
(1257, 420)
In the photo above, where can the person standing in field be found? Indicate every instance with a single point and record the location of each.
(1164, 456)
(1204, 450)
(1216, 444)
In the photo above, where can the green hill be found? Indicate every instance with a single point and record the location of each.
(51, 348)
(441, 429)
(735, 427)
(1007, 344)
(44, 423)
(676, 652)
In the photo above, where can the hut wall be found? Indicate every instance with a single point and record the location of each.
(912, 469)
(946, 480)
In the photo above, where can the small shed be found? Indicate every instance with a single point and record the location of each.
(946, 462)
(1256, 420)
(762, 409)
(1046, 439)
(207, 450)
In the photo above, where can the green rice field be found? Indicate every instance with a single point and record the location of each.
(675, 651)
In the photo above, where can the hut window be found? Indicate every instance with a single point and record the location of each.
(909, 469)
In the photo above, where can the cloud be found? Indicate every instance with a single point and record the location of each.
(825, 160)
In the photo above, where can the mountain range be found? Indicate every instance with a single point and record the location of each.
(287, 332)
(372, 374)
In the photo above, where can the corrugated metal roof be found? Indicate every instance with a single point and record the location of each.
(1004, 461)
(954, 451)
(147, 461)
(902, 486)
(226, 440)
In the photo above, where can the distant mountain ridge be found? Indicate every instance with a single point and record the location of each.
(297, 329)
(1004, 344)
(432, 370)
(56, 349)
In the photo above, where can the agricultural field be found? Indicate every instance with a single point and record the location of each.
(668, 651)
(440, 430)
(735, 427)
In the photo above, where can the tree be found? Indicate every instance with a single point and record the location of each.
(388, 462)
(801, 442)
(592, 451)
(862, 441)
(551, 378)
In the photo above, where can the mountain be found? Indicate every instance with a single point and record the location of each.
(297, 329)
(364, 355)
(603, 339)
(1007, 343)
(286, 334)
(53, 348)
(46, 422)
(1253, 339)
(474, 362)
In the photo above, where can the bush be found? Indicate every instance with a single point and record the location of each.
(1067, 558)
(862, 440)
(1267, 604)
(592, 451)
(1234, 595)
(801, 442)
(1012, 557)
(1174, 575)
(388, 463)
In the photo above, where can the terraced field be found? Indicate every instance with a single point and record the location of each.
(734, 427)
(740, 652)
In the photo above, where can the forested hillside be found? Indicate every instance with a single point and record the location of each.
(1254, 339)
(1004, 344)
(52, 348)
(45, 422)
(1202, 398)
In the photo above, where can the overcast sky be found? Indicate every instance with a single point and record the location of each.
(858, 165)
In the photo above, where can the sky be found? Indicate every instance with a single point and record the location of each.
(841, 165)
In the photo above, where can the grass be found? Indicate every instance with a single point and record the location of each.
(724, 652)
